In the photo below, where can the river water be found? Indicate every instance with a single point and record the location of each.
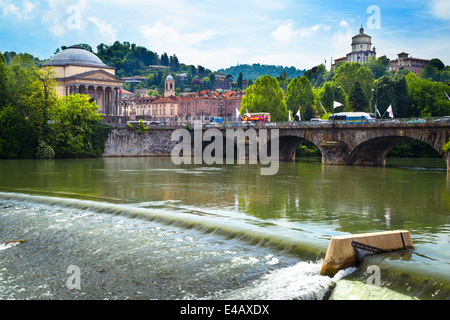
(144, 228)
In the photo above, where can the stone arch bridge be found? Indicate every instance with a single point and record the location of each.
(340, 144)
(362, 144)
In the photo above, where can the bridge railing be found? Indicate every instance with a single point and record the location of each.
(300, 124)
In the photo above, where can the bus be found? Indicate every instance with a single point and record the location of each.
(353, 117)
(256, 117)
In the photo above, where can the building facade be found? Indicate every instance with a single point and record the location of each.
(207, 105)
(82, 72)
(362, 49)
(406, 62)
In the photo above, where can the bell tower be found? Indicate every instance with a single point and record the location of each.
(169, 89)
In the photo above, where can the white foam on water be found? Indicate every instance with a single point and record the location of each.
(301, 281)
(357, 290)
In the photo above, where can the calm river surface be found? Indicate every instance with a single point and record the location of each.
(144, 228)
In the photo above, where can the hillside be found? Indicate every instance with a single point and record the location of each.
(258, 70)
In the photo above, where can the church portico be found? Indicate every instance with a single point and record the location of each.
(82, 72)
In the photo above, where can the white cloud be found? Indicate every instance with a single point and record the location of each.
(342, 39)
(309, 31)
(163, 38)
(286, 33)
(24, 12)
(441, 9)
(65, 15)
(192, 47)
(106, 32)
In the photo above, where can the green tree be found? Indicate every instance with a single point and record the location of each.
(328, 92)
(164, 59)
(4, 82)
(348, 73)
(239, 81)
(402, 104)
(299, 94)
(357, 99)
(74, 122)
(41, 100)
(174, 64)
(141, 127)
(22, 72)
(316, 75)
(378, 66)
(384, 94)
(265, 95)
(17, 138)
(433, 70)
(196, 85)
(427, 97)
(392, 91)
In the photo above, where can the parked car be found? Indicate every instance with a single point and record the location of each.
(318, 121)
(444, 119)
(390, 121)
(416, 121)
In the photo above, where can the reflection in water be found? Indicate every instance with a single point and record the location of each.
(305, 202)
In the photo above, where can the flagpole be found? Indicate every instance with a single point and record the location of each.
(333, 131)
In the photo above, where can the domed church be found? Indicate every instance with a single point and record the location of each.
(361, 48)
(80, 71)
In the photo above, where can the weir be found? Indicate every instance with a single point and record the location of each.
(343, 250)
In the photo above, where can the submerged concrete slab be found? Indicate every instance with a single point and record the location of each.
(341, 254)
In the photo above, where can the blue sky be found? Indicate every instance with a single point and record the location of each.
(219, 34)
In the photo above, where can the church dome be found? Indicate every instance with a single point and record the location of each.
(361, 38)
(169, 77)
(75, 55)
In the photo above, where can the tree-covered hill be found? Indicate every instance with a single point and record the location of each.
(257, 70)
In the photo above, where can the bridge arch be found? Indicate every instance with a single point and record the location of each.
(374, 151)
(289, 145)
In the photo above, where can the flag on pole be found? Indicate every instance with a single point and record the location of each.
(238, 114)
(325, 111)
(247, 113)
(378, 111)
(336, 104)
(391, 112)
(299, 116)
(447, 95)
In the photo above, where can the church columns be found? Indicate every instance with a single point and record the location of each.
(108, 98)
(95, 94)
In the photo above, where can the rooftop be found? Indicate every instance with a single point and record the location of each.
(75, 55)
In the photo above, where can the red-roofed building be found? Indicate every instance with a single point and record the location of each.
(406, 62)
(199, 106)
(207, 105)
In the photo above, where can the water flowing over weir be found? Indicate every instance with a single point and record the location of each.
(78, 220)
(144, 229)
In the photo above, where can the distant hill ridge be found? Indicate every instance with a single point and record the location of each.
(257, 70)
